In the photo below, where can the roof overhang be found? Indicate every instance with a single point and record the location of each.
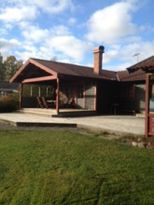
(39, 79)
(147, 69)
(33, 62)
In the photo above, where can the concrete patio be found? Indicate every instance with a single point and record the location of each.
(113, 124)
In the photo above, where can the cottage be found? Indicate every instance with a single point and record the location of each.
(57, 85)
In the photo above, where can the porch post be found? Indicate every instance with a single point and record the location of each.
(20, 96)
(95, 98)
(57, 97)
(31, 91)
(84, 95)
(39, 91)
(147, 86)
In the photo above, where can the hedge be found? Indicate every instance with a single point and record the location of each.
(9, 103)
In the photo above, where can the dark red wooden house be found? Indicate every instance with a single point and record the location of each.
(59, 85)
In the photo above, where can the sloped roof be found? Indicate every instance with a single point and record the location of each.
(133, 73)
(146, 64)
(76, 70)
(62, 69)
(137, 72)
(138, 75)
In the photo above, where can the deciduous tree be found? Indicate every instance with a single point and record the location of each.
(11, 64)
(2, 69)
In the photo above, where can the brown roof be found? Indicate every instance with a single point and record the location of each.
(145, 65)
(133, 73)
(76, 70)
(138, 75)
(137, 72)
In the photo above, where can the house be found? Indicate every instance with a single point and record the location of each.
(60, 85)
(8, 88)
(136, 74)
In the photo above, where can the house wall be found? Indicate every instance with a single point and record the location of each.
(32, 91)
(121, 98)
(79, 94)
(90, 96)
(73, 94)
(107, 97)
(126, 98)
(139, 98)
(112, 97)
(136, 96)
(152, 99)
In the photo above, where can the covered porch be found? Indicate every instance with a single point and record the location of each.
(44, 88)
(58, 95)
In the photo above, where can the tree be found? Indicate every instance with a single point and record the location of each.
(11, 64)
(2, 69)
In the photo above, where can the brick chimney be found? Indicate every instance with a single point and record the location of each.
(98, 59)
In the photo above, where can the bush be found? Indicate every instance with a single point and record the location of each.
(9, 103)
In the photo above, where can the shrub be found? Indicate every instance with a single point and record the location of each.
(9, 103)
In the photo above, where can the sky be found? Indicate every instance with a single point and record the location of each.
(69, 30)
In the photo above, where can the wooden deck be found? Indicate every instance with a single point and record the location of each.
(62, 112)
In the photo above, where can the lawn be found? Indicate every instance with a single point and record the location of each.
(54, 167)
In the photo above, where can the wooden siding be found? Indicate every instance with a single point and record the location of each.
(90, 97)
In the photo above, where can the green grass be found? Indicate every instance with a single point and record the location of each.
(63, 167)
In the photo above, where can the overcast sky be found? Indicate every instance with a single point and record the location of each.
(68, 30)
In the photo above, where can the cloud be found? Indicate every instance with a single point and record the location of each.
(41, 35)
(8, 43)
(57, 41)
(7, 46)
(50, 6)
(124, 55)
(144, 48)
(113, 26)
(69, 46)
(37, 34)
(72, 21)
(3, 31)
(53, 6)
(18, 14)
(111, 23)
(14, 12)
(21, 16)
(64, 48)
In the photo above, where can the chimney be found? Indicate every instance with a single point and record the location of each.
(98, 59)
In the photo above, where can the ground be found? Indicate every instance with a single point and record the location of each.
(114, 124)
(62, 167)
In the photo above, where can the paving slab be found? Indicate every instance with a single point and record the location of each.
(117, 124)
(22, 119)
(114, 124)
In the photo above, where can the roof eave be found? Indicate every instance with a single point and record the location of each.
(19, 71)
(34, 62)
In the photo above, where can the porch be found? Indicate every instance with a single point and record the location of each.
(52, 85)
(59, 98)
(65, 112)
